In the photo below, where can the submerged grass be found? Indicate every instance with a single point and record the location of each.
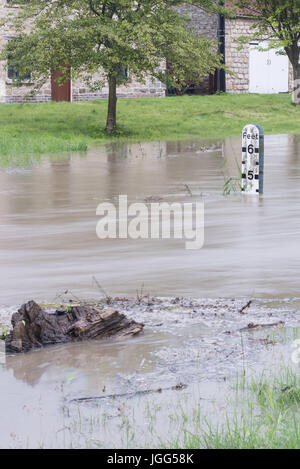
(33, 129)
(256, 413)
(266, 415)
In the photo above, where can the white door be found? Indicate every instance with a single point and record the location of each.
(268, 71)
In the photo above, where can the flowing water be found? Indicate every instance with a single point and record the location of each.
(48, 245)
(48, 224)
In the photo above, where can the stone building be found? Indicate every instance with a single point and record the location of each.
(254, 71)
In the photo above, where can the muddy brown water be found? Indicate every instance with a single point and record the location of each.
(48, 222)
(48, 244)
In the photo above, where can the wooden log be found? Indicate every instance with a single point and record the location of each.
(251, 326)
(34, 327)
(129, 395)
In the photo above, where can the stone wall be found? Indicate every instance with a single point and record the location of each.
(134, 89)
(11, 94)
(237, 60)
(80, 92)
(206, 24)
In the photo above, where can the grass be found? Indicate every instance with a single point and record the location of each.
(261, 412)
(266, 415)
(34, 129)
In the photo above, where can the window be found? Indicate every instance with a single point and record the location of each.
(13, 74)
(12, 70)
(123, 72)
(15, 6)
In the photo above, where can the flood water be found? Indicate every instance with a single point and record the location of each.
(48, 220)
(48, 245)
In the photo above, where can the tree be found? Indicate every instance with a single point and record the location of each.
(88, 36)
(282, 19)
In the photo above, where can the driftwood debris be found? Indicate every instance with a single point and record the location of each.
(251, 325)
(246, 306)
(34, 327)
(129, 395)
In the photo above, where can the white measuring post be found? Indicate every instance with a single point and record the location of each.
(253, 159)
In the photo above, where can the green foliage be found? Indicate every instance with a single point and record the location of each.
(3, 333)
(231, 184)
(107, 35)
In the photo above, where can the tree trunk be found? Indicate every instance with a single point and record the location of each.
(33, 327)
(296, 85)
(293, 53)
(112, 104)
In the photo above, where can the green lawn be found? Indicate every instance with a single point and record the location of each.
(55, 127)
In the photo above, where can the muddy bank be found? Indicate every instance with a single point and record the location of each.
(217, 336)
